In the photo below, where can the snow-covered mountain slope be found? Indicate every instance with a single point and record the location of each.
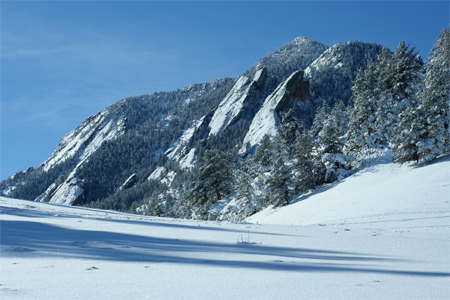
(331, 76)
(78, 146)
(383, 233)
(381, 193)
(296, 55)
(85, 139)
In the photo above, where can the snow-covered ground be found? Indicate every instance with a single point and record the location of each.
(383, 233)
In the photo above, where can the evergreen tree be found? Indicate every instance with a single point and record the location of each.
(436, 101)
(362, 126)
(423, 132)
(154, 208)
(399, 81)
(409, 132)
(320, 117)
(307, 171)
(279, 149)
(329, 144)
(264, 153)
(278, 184)
(289, 129)
(215, 178)
(205, 212)
(245, 195)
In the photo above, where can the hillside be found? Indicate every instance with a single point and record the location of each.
(382, 233)
(138, 135)
(304, 117)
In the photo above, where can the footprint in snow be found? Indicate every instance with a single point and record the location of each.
(92, 268)
(4, 289)
(373, 281)
(46, 267)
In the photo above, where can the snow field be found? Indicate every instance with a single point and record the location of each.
(383, 233)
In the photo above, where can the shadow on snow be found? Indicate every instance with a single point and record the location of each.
(33, 239)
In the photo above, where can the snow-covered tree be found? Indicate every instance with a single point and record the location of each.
(410, 131)
(278, 184)
(362, 126)
(289, 129)
(264, 153)
(154, 208)
(329, 143)
(245, 195)
(308, 169)
(399, 81)
(423, 132)
(320, 117)
(205, 212)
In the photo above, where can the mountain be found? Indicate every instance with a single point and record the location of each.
(110, 160)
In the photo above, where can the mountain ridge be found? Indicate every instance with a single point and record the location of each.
(137, 135)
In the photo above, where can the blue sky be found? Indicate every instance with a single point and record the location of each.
(64, 61)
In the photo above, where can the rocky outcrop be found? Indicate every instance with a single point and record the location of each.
(85, 139)
(46, 196)
(69, 192)
(294, 92)
(245, 97)
(158, 174)
(130, 182)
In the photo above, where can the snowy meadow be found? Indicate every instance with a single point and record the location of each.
(382, 233)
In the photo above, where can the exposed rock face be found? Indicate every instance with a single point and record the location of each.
(129, 182)
(245, 97)
(85, 139)
(45, 196)
(293, 92)
(158, 174)
(68, 193)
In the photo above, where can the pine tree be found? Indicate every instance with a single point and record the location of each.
(399, 81)
(197, 192)
(308, 172)
(279, 149)
(264, 153)
(205, 212)
(215, 179)
(289, 129)
(362, 127)
(320, 117)
(436, 100)
(154, 208)
(329, 144)
(423, 132)
(409, 132)
(245, 195)
(278, 184)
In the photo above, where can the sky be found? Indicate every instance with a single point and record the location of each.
(62, 62)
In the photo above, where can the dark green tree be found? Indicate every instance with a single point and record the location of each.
(289, 129)
(309, 170)
(264, 153)
(215, 179)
